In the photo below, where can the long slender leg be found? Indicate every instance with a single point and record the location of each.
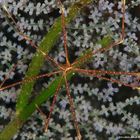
(42, 113)
(137, 74)
(95, 74)
(27, 38)
(64, 30)
(118, 82)
(54, 62)
(79, 137)
(119, 41)
(52, 105)
(7, 76)
(17, 28)
(29, 79)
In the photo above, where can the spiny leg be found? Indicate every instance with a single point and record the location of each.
(27, 38)
(52, 105)
(29, 79)
(119, 41)
(41, 112)
(17, 28)
(137, 74)
(72, 110)
(54, 62)
(95, 74)
(7, 75)
(118, 82)
(63, 24)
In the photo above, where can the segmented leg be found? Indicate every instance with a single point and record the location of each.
(137, 74)
(119, 41)
(27, 38)
(52, 105)
(44, 115)
(64, 30)
(29, 79)
(7, 76)
(79, 137)
(96, 74)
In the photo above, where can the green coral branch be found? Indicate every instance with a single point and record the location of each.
(11, 129)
